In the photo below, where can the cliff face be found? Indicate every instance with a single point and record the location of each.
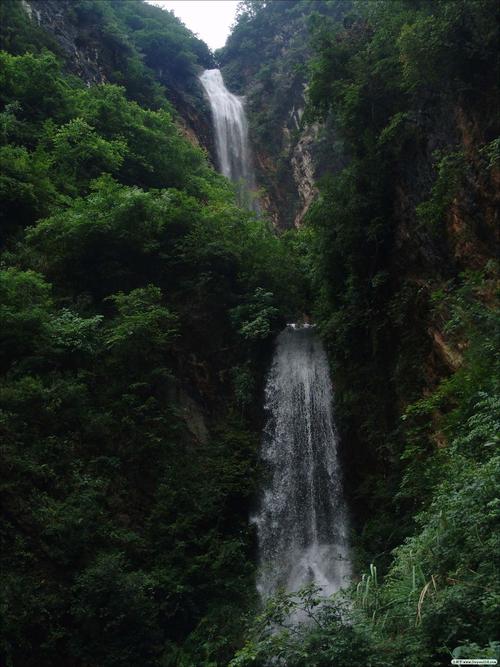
(432, 256)
(86, 59)
(266, 59)
(293, 152)
(289, 180)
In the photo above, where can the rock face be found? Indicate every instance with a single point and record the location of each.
(289, 196)
(467, 238)
(192, 415)
(85, 59)
(289, 178)
(288, 149)
(304, 170)
(288, 181)
(287, 168)
(195, 122)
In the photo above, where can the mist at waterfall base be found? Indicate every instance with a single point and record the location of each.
(231, 137)
(302, 522)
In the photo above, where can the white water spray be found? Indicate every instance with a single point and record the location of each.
(302, 522)
(231, 135)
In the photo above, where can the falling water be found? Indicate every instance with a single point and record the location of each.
(302, 521)
(231, 135)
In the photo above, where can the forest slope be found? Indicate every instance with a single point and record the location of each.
(138, 305)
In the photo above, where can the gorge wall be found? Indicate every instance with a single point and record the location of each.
(265, 59)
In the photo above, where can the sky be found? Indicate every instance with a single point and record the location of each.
(209, 19)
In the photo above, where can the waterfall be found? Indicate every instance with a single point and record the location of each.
(302, 521)
(231, 136)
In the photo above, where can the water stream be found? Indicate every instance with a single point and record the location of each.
(231, 136)
(302, 520)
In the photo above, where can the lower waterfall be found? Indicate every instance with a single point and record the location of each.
(302, 522)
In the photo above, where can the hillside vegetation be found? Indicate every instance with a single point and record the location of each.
(137, 308)
(139, 303)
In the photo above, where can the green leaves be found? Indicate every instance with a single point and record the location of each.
(142, 327)
(128, 616)
(26, 189)
(254, 320)
(451, 171)
(35, 85)
(80, 154)
(25, 303)
(69, 332)
(303, 628)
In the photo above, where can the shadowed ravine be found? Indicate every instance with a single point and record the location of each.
(302, 520)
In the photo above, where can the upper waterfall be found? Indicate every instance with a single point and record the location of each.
(231, 135)
(302, 521)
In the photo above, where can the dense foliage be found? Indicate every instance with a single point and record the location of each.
(127, 42)
(138, 304)
(409, 214)
(137, 307)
